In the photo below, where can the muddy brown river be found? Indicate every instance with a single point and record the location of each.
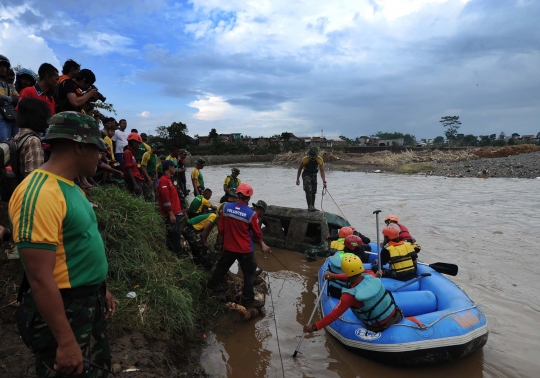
(489, 228)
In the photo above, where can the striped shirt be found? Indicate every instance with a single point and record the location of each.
(51, 213)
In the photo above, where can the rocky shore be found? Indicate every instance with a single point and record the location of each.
(518, 166)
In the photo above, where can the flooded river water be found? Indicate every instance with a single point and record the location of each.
(489, 228)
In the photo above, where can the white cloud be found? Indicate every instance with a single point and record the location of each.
(23, 47)
(283, 27)
(144, 114)
(213, 108)
(100, 43)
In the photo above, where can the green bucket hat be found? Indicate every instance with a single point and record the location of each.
(75, 126)
(260, 204)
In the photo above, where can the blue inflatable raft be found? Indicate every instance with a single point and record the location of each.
(441, 323)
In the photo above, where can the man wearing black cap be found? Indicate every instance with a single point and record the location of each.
(310, 164)
(169, 206)
(69, 95)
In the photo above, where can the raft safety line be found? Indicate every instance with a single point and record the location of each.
(281, 263)
(274, 312)
(324, 191)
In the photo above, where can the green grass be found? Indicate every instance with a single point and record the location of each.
(412, 168)
(171, 290)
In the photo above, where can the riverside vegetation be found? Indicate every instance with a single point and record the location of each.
(158, 331)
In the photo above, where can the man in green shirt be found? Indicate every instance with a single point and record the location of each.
(144, 147)
(201, 204)
(64, 301)
(149, 169)
(231, 182)
(197, 177)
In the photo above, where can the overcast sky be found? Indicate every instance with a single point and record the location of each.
(263, 67)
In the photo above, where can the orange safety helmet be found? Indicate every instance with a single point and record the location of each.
(245, 189)
(134, 136)
(391, 232)
(391, 217)
(353, 241)
(345, 231)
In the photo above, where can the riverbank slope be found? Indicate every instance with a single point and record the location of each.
(521, 161)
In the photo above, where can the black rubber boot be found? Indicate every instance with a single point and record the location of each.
(313, 203)
(309, 200)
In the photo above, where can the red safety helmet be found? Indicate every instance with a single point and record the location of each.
(391, 217)
(134, 136)
(345, 231)
(245, 189)
(391, 232)
(353, 241)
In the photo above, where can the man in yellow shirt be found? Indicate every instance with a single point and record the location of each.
(64, 301)
(197, 177)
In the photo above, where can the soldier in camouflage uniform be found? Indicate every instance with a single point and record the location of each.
(64, 301)
(309, 165)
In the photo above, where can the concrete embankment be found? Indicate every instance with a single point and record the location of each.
(228, 159)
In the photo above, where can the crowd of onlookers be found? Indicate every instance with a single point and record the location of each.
(28, 100)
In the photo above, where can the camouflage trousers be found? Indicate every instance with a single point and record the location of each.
(198, 249)
(87, 319)
(309, 182)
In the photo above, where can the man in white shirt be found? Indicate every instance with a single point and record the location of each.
(120, 138)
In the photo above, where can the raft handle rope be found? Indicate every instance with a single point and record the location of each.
(273, 311)
(324, 191)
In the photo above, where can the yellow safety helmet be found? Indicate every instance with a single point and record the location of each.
(352, 265)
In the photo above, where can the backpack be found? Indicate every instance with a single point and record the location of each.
(10, 174)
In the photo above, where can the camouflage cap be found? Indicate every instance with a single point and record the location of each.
(235, 170)
(75, 126)
(313, 151)
(261, 204)
(201, 161)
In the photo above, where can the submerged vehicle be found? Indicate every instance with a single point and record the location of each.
(300, 230)
(441, 323)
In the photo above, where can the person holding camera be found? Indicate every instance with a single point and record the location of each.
(69, 93)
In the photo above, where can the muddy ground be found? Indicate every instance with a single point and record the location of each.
(521, 161)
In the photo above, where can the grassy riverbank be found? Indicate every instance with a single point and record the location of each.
(160, 330)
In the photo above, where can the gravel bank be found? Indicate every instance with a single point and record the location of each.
(517, 166)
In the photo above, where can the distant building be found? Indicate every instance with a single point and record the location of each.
(527, 137)
(375, 141)
(204, 140)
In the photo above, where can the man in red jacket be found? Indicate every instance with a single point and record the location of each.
(169, 206)
(238, 229)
